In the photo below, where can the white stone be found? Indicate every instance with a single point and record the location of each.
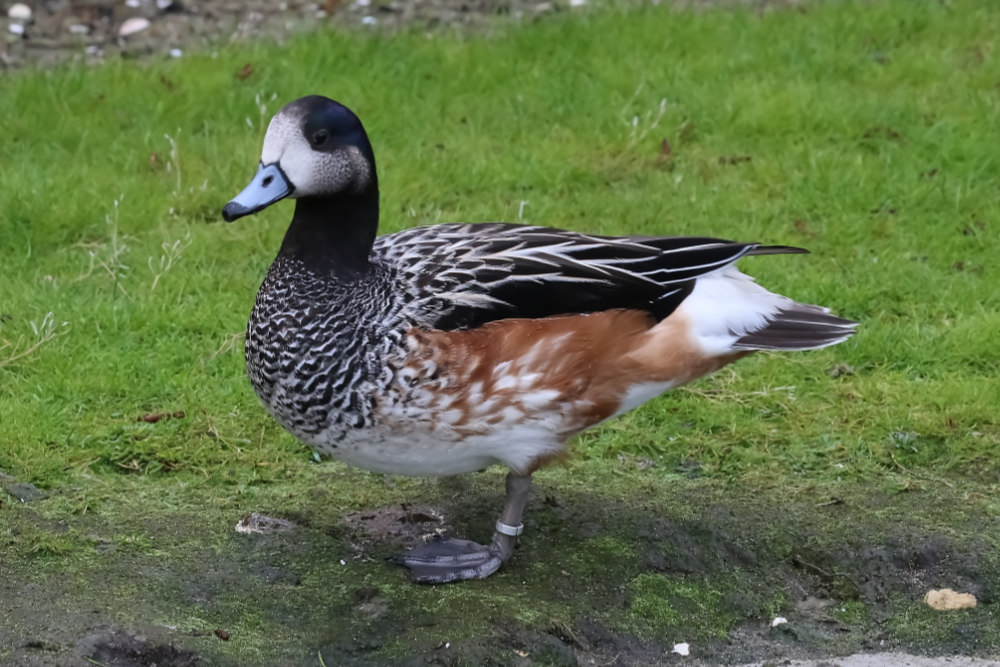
(19, 12)
(780, 620)
(682, 649)
(132, 3)
(176, 53)
(16, 28)
(368, 20)
(577, 3)
(132, 26)
(79, 29)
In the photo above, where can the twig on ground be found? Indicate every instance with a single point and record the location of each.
(913, 474)
(829, 575)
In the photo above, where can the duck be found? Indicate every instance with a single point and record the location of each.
(448, 348)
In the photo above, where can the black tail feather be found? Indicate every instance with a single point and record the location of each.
(778, 250)
(799, 327)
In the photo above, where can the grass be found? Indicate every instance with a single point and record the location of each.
(865, 132)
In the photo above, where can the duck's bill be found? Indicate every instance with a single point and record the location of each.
(268, 186)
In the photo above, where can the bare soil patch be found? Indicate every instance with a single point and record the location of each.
(93, 31)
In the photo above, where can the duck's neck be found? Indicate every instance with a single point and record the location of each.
(334, 235)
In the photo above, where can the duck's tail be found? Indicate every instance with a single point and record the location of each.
(729, 312)
(799, 326)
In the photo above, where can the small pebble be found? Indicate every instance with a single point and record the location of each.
(133, 3)
(682, 649)
(132, 26)
(577, 3)
(781, 620)
(16, 28)
(368, 20)
(176, 53)
(19, 12)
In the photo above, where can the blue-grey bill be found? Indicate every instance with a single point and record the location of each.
(268, 186)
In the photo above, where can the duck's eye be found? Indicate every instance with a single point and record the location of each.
(320, 138)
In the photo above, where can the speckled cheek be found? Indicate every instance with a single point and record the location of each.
(360, 168)
(315, 173)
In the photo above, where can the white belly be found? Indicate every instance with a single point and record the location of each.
(422, 451)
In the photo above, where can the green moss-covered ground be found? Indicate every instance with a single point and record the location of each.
(832, 488)
(654, 558)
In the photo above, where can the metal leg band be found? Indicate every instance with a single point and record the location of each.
(512, 531)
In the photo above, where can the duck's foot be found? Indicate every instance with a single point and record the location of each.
(447, 559)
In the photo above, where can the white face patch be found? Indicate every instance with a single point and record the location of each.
(312, 172)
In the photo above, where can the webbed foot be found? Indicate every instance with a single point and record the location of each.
(446, 559)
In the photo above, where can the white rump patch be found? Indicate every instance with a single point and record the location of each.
(725, 306)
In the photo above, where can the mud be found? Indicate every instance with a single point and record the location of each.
(613, 578)
(22, 491)
(121, 649)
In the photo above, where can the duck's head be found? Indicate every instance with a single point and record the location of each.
(314, 147)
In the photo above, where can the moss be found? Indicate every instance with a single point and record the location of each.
(916, 624)
(696, 608)
(603, 573)
(55, 546)
(852, 613)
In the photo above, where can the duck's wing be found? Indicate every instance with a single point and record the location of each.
(459, 275)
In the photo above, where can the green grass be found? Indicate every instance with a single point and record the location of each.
(113, 227)
(865, 132)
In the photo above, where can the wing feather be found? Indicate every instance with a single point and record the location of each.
(463, 275)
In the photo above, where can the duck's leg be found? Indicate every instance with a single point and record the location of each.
(446, 559)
